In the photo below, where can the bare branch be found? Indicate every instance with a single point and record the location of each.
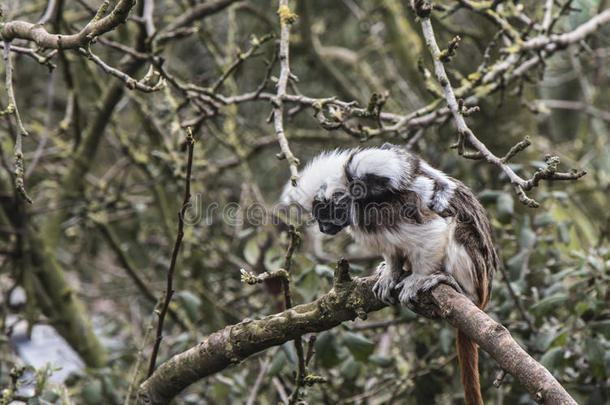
(192, 14)
(97, 26)
(287, 18)
(548, 16)
(21, 132)
(43, 60)
(148, 16)
(169, 290)
(576, 106)
(130, 82)
(344, 302)
(496, 340)
(555, 41)
(465, 133)
(255, 43)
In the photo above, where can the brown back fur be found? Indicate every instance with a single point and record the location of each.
(474, 232)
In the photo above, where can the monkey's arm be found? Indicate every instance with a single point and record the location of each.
(411, 287)
(389, 272)
(444, 187)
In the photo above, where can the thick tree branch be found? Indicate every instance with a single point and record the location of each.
(496, 340)
(41, 37)
(347, 300)
(237, 342)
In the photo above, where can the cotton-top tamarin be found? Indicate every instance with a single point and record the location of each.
(416, 217)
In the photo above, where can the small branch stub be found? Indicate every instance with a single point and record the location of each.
(341, 273)
(446, 54)
(287, 17)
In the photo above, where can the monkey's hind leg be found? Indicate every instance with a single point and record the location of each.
(416, 284)
(389, 272)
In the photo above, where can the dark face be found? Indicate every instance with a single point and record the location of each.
(334, 214)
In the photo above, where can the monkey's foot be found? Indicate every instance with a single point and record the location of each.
(413, 287)
(385, 285)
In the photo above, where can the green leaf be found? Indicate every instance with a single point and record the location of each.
(553, 338)
(595, 353)
(359, 346)
(381, 361)
(290, 352)
(563, 231)
(92, 393)
(252, 251)
(191, 304)
(308, 285)
(220, 392)
(488, 196)
(323, 270)
(447, 340)
(527, 238)
(602, 327)
(515, 264)
(327, 349)
(506, 207)
(543, 219)
(553, 358)
(50, 396)
(277, 364)
(274, 258)
(350, 368)
(548, 304)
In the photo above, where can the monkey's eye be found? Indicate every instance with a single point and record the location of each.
(340, 208)
(339, 196)
(321, 209)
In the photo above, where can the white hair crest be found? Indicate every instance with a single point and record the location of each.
(389, 163)
(325, 174)
(324, 171)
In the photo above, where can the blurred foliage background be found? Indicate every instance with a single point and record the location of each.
(106, 197)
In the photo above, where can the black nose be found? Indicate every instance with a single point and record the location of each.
(329, 229)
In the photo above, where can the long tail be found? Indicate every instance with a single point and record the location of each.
(468, 357)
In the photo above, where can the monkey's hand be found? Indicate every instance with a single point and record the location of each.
(384, 287)
(413, 286)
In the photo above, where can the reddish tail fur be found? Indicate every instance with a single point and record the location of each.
(468, 356)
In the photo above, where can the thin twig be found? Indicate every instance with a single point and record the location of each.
(47, 123)
(287, 17)
(576, 106)
(280, 389)
(298, 344)
(259, 380)
(517, 300)
(255, 43)
(169, 291)
(130, 82)
(554, 41)
(147, 14)
(21, 132)
(43, 60)
(126, 262)
(548, 16)
(465, 133)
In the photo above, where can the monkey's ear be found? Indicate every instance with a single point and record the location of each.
(387, 146)
(370, 187)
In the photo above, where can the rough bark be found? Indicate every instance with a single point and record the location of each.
(496, 340)
(347, 300)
